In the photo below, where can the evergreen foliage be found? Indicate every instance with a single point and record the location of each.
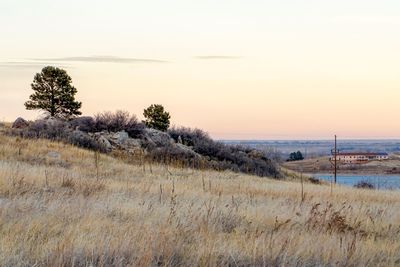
(156, 117)
(294, 156)
(54, 93)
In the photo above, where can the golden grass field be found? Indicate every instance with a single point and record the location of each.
(81, 209)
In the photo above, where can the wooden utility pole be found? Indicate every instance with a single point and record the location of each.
(334, 161)
(335, 172)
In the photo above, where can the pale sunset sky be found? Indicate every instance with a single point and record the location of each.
(236, 69)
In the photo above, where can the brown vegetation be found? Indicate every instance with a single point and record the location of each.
(88, 209)
(322, 165)
(179, 146)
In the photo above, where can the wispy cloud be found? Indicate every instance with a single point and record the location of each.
(217, 57)
(28, 65)
(102, 59)
(393, 20)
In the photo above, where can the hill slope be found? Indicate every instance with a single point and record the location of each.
(60, 205)
(121, 133)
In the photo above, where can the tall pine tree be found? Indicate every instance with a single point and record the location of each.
(54, 94)
(156, 117)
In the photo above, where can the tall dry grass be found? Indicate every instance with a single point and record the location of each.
(85, 209)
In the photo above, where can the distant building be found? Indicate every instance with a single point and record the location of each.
(357, 157)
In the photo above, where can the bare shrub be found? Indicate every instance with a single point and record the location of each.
(314, 180)
(119, 121)
(364, 185)
(187, 136)
(328, 219)
(225, 157)
(171, 154)
(59, 130)
(84, 124)
(54, 130)
(195, 147)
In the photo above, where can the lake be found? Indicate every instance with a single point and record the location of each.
(379, 181)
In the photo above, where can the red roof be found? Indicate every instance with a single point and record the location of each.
(361, 154)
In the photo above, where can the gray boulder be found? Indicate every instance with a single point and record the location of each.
(131, 142)
(20, 123)
(78, 134)
(102, 133)
(53, 122)
(53, 155)
(104, 141)
(187, 150)
(120, 137)
(157, 138)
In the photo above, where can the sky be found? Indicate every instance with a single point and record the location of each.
(234, 68)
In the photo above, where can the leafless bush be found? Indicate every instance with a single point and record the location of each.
(54, 130)
(198, 150)
(118, 121)
(273, 153)
(84, 124)
(187, 136)
(58, 130)
(225, 157)
(364, 185)
(330, 220)
(314, 180)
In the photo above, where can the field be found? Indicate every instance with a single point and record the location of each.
(319, 148)
(64, 206)
(322, 165)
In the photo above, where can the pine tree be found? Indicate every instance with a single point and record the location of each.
(156, 117)
(54, 93)
(294, 156)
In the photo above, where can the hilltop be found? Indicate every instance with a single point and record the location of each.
(122, 134)
(61, 205)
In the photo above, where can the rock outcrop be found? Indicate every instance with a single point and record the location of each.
(20, 123)
(104, 142)
(117, 141)
(157, 138)
(120, 137)
(152, 142)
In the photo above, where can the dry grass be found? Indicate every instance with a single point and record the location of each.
(322, 164)
(83, 210)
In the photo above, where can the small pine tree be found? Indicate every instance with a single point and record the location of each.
(156, 117)
(299, 156)
(54, 93)
(294, 156)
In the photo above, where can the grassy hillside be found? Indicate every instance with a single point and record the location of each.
(122, 133)
(62, 206)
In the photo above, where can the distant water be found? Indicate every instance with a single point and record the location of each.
(379, 181)
(315, 148)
